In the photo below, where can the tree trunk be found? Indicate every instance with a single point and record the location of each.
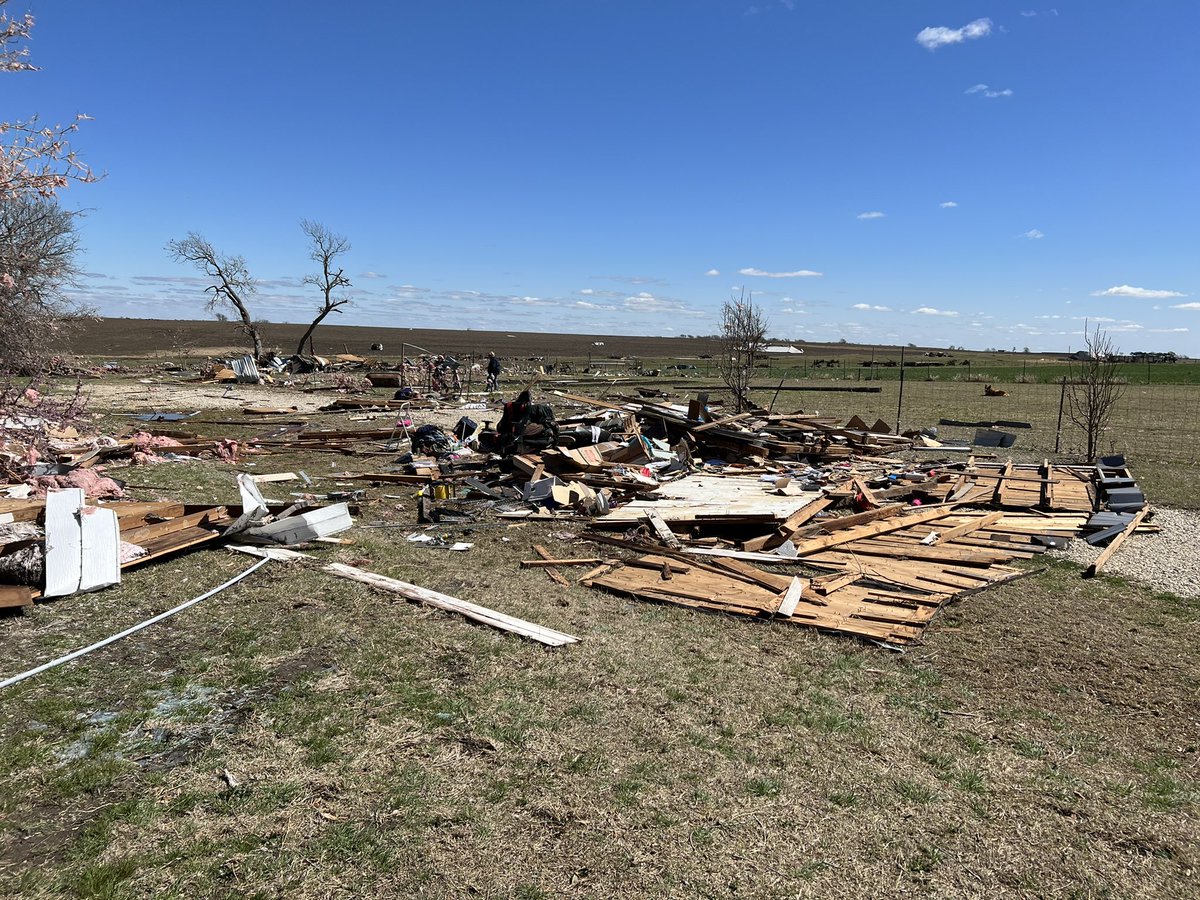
(250, 328)
(307, 338)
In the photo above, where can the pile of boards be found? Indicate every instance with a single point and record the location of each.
(755, 433)
(881, 574)
(65, 545)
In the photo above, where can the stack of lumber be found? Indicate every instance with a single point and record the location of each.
(881, 574)
(757, 433)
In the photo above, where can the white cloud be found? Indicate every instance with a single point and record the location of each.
(371, 275)
(799, 273)
(947, 204)
(939, 36)
(871, 308)
(1168, 330)
(1126, 290)
(1034, 234)
(930, 311)
(1029, 13)
(1186, 306)
(873, 214)
(712, 272)
(988, 91)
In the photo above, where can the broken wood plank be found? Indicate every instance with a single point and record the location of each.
(438, 600)
(550, 561)
(665, 534)
(789, 526)
(895, 523)
(15, 595)
(961, 530)
(791, 597)
(1115, 543)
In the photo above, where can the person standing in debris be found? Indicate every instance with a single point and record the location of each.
(493, 371)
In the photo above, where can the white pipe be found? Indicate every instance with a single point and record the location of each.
(128, 631)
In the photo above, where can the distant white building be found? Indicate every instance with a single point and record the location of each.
(781, 348)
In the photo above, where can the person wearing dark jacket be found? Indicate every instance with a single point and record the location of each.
(493, 371)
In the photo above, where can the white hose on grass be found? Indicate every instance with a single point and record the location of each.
(128, 631)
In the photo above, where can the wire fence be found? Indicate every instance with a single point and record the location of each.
(1150, 422)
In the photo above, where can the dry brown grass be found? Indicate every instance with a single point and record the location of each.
(1041, 742)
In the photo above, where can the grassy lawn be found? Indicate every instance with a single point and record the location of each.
(1040, 742)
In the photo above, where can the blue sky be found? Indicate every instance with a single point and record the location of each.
(977, 174)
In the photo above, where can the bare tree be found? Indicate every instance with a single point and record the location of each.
(37, 160)
(1094, 388)
(231, 285)
(324, 248)
(37, 265)
(743, 336)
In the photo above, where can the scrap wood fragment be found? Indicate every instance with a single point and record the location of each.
(15, 595)
(1116, 542)
(654, 520)
(555, 576)
(445, 602)
(895, 523)
(546, 562)
(962, 530)
(789, 527)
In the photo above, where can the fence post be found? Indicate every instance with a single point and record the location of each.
(1058, 429)
(402, 367)
(900, 399)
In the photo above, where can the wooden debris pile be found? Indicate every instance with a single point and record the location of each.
(880, 574)
(63, 545)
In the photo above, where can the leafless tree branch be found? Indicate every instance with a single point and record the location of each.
(231, 287)
(325, 247)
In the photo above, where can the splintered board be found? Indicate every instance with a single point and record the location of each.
(701, 498)
(888, 614)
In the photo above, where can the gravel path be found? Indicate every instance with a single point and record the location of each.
(1167, 561)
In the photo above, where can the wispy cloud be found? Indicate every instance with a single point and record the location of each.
(939, 36)
(713, 272)
(868, 306)
(1192, 305)
(371, 275)
(799, 273)
(947, 204)
(1127, 290)
(988, 92)
(1029, 13)
(1033, 234)
(628, 279)
(930, 311)
(873, 214)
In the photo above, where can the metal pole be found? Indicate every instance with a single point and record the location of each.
(771, 408)
(402, 367)
(900, 399)
(1058, 430)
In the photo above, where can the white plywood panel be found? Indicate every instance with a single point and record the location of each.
(100, 557)
(64, 542)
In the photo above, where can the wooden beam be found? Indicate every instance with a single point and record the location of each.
(1115, 543)
(452, 604)
(981, 522)
(895, 523)
(789, 526)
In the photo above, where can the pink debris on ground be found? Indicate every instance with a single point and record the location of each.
(92, 482)
(226, 450)
(143, 440)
